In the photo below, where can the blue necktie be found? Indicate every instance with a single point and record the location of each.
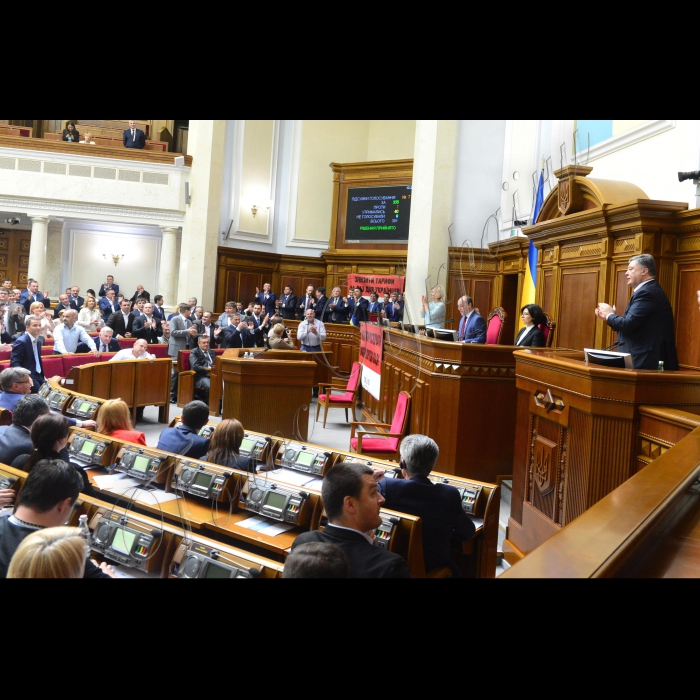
(36, 358)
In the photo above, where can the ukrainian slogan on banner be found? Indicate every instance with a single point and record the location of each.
(371, 345)
(379, 284)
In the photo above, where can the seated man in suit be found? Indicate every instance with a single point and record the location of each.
(108, 305)
(147, 326)
(472, 327)
(140, 292)
(26, 351)
(184, 440)
(439, 506)
(76, 300)
(106, 286)
(201, 361)
(286, 304)
(122, 321)
(15, 439)
(16, 383)
(645, 330)
(32, 294)
(266, 298)
(106, 342)
(133, 137)
(352, 502)
(64, 304)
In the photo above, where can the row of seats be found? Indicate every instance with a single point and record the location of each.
(24, 131)
(112, 141)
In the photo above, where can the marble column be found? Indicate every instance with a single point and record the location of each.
(434, 164)
(200, 230)
(167, 278)
(54, 281)
(37, 252)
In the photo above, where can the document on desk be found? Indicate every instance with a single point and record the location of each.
(113, 481)
(264, 526)
(154, 496)
(290, 476)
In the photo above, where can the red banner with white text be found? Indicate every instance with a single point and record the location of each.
(371, 347)
(379, 284)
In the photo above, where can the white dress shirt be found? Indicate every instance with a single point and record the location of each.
(127, 354)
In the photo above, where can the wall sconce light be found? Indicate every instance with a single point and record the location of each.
(115, 258)
(265, 206)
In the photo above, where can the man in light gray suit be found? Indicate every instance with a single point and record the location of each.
(181, 333)
(13, 314)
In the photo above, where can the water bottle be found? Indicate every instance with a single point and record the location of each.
(85, 532)
(661, 365)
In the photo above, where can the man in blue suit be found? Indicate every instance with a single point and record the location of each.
(26, 351)
(184, 440)
(266, 299)
(108, 305)
(133, 137)
(645, 330)
(472, 327)
(375, 307)
(439, 506)
(358, 307)
(106, 286)
(32, 294)
(394, 309)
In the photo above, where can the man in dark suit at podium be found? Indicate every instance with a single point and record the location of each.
(645, 330)
(133, 137)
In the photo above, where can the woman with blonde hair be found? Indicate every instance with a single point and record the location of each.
(225, 444)
(276, 339)
(52, 552)
(90, 316)
(39, 310)
(114, 419)
(434, 312)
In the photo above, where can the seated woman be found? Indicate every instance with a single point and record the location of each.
(114, 419)
(47, 326)
(434, 312)
(90, 316)
(53, 552)
(224, 446)
(276, 339)
(70, 133)
(531, 335)
(49, 436)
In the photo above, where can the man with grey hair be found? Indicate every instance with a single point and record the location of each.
(645, 330)
(72, 338)
(439, 506)
(15, 383)
(15, 439)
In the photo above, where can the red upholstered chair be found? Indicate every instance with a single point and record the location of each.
(548, 330)
(346, 396)
(383, 445)
(126, 342)
(160, 351)
(5, 355)
(53, 366)
(494, 326)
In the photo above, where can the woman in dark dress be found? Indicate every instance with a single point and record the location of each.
(224, 446)
(70, 133)
(531, 335)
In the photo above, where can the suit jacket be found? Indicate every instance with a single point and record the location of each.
(116, 323)
(364, 560)
(79, 302)
(144, 294)
(199, 325)
(269, 305)
(149, 334)
(27, 301)
(360, 309)
(107, 309)
(158, 312)
(534, 339)
(231, 337)
(439, 506)
(112, 347)
(473, 330)
(60, 307)
(23, 356)
(394, 315)
(375, 307)
(646, 330)
(302, 304)
(179, 337)
(337, 315)
(320, 306)
(138, 140)
(199, 361)
(288, 308)
(103, 291)
(183, 441)
(14, 441)
(15, 320)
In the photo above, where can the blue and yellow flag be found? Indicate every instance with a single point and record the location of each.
(530, 281)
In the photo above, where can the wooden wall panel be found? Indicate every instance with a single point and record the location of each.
(621, 293)
(544, 471)
(14, 255)
(521, 457)
(578, 300)
(248, 282)
(482, 297)
(547, 299)
(688, 316)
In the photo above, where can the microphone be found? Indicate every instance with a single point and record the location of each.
(449, 320)
(614, 345)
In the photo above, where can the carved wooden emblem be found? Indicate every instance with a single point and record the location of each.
(543, 465)
(546, 400)
(564, 196)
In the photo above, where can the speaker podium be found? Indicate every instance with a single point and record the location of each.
(269, 392)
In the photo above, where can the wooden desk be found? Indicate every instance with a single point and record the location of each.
(576, 436)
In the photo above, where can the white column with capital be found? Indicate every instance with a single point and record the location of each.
(167, 278)
(37, 251)
(54, 282)
(434, 164)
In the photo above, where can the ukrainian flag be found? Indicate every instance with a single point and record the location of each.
(530, 281)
